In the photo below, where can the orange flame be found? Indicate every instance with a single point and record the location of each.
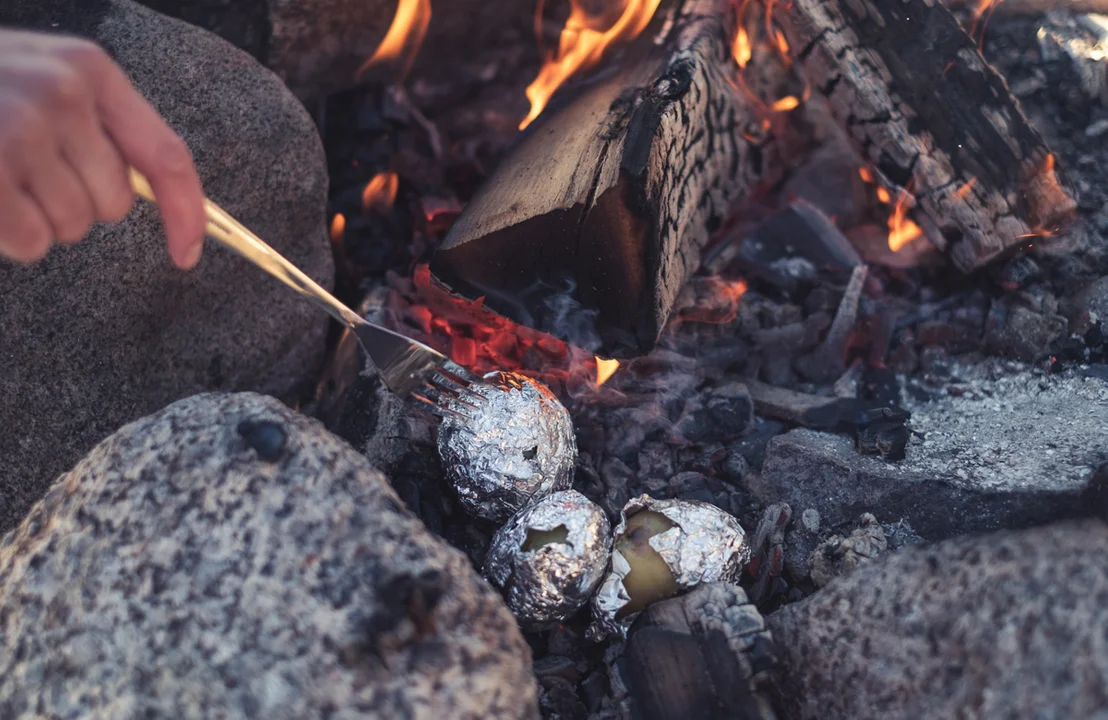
(866, 174)
(780, 43)
(712, 300)
(983, 10)
(581, 47)
(901, 228)
(338, 227)
(403, 40)
(740, 49)
(605, 369)
(789, 102)
(963, 191)
(380, 192)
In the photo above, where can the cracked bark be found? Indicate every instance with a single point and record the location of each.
(1035, 7)
(601, 211)
(912, 90)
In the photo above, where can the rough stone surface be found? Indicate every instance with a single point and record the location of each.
(106, 331)
(228, 557)
(1012, 448)
(1008, 625)
(318, 46)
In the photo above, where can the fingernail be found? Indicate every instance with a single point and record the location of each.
(191, 256)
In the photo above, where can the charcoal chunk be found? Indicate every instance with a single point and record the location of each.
(718, 414)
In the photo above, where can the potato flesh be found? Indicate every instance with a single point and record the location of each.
(650, 578)
(538, 538)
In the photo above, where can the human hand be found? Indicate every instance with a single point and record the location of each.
(71, 123)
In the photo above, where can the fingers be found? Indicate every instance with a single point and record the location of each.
(70, 125)
(58, 164)
(25, 234)
(88, 151)
(61, 196)
(147, 143)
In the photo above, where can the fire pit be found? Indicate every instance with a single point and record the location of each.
(767, 290)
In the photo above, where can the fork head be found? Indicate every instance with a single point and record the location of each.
(407, 367)
(449, 390)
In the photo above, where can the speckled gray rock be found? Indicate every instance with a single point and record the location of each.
(1008, 625)
(106, 331)
(318, 46)
(228, 557)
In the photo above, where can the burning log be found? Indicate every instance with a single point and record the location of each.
(910, 87)
(618, 190)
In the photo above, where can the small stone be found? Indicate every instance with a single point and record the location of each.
(1020, 332)
(1098, 128)
(810, 519)
(719, 414)
(838, 556)
(266, 437)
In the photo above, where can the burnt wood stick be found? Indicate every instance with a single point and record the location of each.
(912, 90)
(1034, 7)
(615, 193)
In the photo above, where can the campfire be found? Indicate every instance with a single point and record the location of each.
(667, 359)
(710, 222)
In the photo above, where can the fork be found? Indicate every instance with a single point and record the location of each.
(408, 368)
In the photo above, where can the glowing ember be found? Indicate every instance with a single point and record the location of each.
(789, 102)
(380, 192)
(581, 46)
(713, 300)
(605, 369)
(338, 227)
(901, 228)
(780, 43)
(963, 191)
(403, 40)
(740, 49)
(474, 336)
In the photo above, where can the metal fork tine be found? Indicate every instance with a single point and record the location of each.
(458, 391)
(435, 408)
(448, 396)
(462, 373)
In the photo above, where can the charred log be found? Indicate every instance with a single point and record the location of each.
(936, 121)
(1034, 7)
(1083, 41)
(611, 198)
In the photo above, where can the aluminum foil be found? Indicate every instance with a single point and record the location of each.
(516, 447)
(705, 545)
(548, 584)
